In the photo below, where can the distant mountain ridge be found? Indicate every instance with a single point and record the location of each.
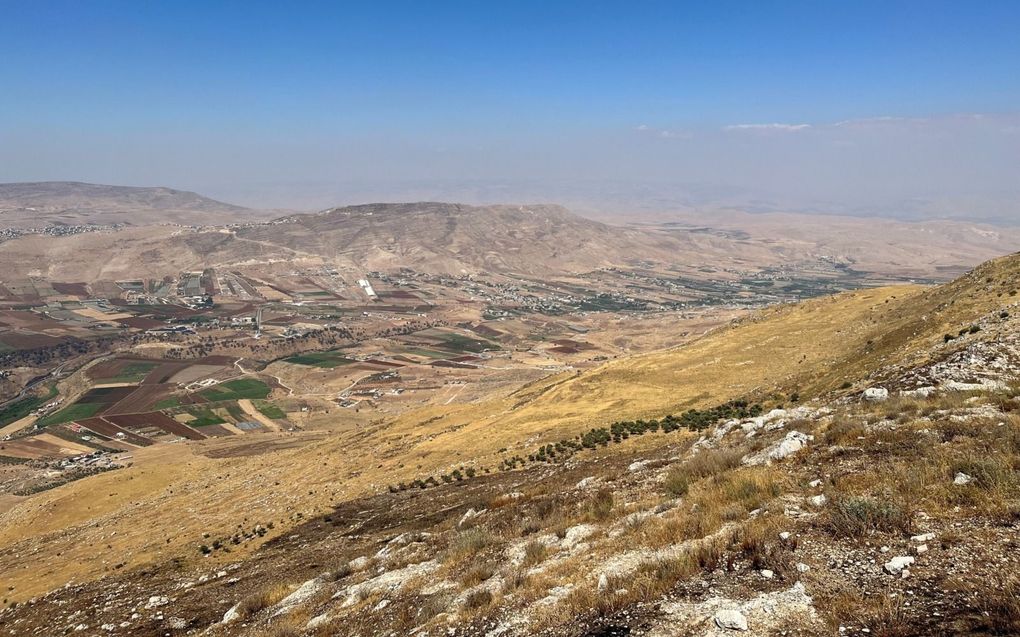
(31, 204)
(456, 238)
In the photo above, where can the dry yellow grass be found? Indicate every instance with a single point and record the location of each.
(160, 507)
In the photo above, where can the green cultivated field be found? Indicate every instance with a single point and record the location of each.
(167, 403)
(204, 417)
(270, 410)
(237, 389)
(328, 360)
(77, 411)
(133, 372)
(21, 408)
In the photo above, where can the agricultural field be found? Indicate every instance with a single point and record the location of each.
(327, 360)
(133, 372)
(93, 402)
(269, 410)
(77, 411)
(201, 417)
(21, 408)
(237, 389)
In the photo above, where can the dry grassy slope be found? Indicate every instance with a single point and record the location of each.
(810, 347)
(81, 530)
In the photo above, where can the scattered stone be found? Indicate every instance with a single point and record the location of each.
(731, 619)
(359, 563)
(924, 537)
(767, 574)
(299, 596)
(962, 479)
(585, 483)
(896, 565)
(469, 515)
(637, 466)
(232, 615)
(156, 601)
(818, 500)
(791, 444)
(876, 394)
(603, 583)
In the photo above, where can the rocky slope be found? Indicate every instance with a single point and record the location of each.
(881, 499)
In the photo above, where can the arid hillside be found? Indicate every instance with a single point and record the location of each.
(821, 354)
(454, 238)
(67, 203)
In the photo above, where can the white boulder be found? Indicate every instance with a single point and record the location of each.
(876, 394)
(896, 565)
(730, 619)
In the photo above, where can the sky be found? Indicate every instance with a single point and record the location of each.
(898, 108)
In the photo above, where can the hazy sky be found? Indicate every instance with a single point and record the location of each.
(872, 106)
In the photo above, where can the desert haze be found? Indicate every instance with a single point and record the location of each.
(560, 319)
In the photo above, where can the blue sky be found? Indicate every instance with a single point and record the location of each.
(234, 95)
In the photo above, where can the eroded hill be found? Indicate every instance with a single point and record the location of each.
(68, 203)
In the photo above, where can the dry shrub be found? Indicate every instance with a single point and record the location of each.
(262, 599)
(284, 629)
(515, 579)
(856, 517)
(844, 432)
(599, 507)
(478, 574)
(885, 615)
(468, 544)
(758, 541)
(709, 462)
(534, 552)
(999, 601)
(478, 600)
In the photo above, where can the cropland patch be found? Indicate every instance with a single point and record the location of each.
(327, 360)
(237, 389)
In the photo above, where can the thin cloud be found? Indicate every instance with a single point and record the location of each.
(663, 133)
(786, 128)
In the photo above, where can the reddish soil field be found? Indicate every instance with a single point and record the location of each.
(141, 399)
(140, 323)
(453, 365)
(399, 294)
(484, 330)
(30, 448)
(74, 289)
(163, 373)
(216, 431)
(115, 367)
(29, 320)
(108, 429)
(158, 420)
(106, 395)
(566, 342)
(19, 340)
